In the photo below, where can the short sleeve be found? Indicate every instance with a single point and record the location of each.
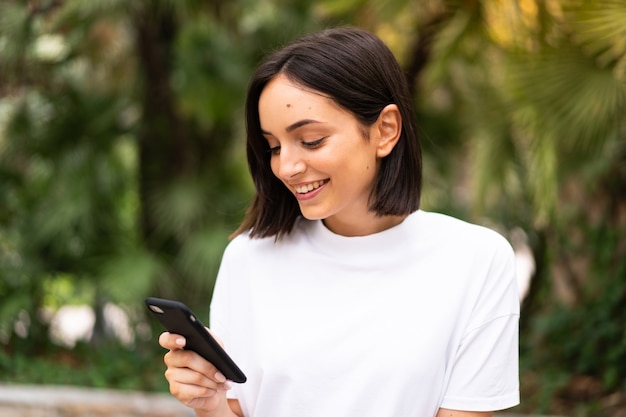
(485, 375)
(485, 370)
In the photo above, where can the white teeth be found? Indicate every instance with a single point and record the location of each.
(309, 187)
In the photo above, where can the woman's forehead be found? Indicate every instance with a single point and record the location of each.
(286, 96)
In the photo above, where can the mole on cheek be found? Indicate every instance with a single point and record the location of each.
(288, 105)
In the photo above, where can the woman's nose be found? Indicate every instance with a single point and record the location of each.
(289, 163)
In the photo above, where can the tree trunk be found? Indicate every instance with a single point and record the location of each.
(164, 148)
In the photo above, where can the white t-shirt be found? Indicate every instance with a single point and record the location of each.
(397, 324)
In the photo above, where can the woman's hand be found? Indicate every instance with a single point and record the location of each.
(194, 381)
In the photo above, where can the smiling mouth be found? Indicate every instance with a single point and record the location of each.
(303, 189)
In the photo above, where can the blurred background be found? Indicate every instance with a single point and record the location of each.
(122, 169)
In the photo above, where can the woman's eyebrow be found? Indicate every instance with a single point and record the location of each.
(300, 123)
(293, 126)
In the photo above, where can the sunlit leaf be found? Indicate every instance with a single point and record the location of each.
(600, 28)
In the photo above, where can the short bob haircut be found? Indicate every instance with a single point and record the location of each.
(356, 70)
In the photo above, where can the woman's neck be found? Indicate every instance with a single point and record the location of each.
(362, 227)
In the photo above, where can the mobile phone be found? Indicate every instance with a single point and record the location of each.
(177, 318)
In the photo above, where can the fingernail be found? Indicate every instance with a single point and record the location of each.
(219, 377)
(180, 341)
(227, 385)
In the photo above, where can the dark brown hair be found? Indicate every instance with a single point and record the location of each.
(357, 70)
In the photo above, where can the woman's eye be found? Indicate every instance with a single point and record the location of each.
(274, 150)
(313, 144)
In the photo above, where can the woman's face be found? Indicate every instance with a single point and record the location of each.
(320, 153)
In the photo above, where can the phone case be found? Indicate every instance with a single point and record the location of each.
(177, 318)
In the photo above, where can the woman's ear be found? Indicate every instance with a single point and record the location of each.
(388, 129)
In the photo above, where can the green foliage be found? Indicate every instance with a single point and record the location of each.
(111, 365)
(573, 355)
(122, 170)
(587, 339)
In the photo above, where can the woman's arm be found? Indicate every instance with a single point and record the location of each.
(444, 412)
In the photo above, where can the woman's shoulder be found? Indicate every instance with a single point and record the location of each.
(244, 243)
(462, 231)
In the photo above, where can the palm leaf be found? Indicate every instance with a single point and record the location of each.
(577, 101)
(600, 28)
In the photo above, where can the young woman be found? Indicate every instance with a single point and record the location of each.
(339, 296)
